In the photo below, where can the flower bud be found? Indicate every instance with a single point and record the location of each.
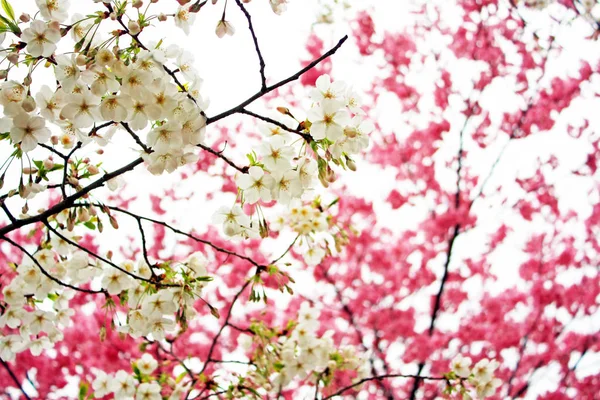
(54, 140)
(3, 74)
(48, 163)
(13, 58)
(73, 181)
(351, 164)
(81, 60)
(183, 2)
(162, 17)
(92, 169)
(137, 4)
(84, 215)
(55, 25)
(27, 80)
(70, 224)
(113, 16)
(24, 17)
(28, 104)
(29, 171)
(113, 222)
(134, 27)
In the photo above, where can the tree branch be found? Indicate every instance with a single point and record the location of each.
(263, 78)
(14, 378)
(277, 85)
(47, 274)
(379, 378)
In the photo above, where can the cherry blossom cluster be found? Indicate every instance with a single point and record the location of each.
(463, 379)
(154, 299)
(315, 227)
(298, 352)
(157, 312)
(286, 166)
(141, 383)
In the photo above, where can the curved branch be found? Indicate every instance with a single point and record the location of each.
(14, 378)
(379, 378)
(277, 85)
(261, 60)
(48, 275)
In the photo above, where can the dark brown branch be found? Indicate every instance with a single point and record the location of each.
(279, 84)
(261, 60)
(243, 170)
(136, 137)
(175, 230)
(48, 275)
(99, 257)
(69, 201)
(145, 247)
(359, 334)
(65, 170)
(213, 345)
(304, 136)
(226, 323)
(52, 150)
(379, 378)
(14, 378)
(7, 211)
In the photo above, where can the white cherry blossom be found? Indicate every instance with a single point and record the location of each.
(327, 90)
(82, 109)
(184, 18)
(29, 131)
(256, 185)
(55, 10)
(328, 120)
(276, 155)
(41, 39)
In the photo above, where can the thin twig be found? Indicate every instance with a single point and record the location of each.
(47, 274)
(379, 378)
(14, 378)
(277, 85)
(261, 60)
(243, 170)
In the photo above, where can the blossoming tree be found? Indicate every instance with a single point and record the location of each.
(475, 277)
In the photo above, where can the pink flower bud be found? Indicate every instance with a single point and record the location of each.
(134, 27)
(29, 104)
(48, 163)
(13, 58)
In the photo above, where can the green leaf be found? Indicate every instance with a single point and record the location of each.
(83, 390)
(333, 202)
(8, 10)
(14, 28)
(89, 225)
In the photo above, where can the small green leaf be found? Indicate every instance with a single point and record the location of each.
(90, 225)
(8, 10)
(83, 390)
